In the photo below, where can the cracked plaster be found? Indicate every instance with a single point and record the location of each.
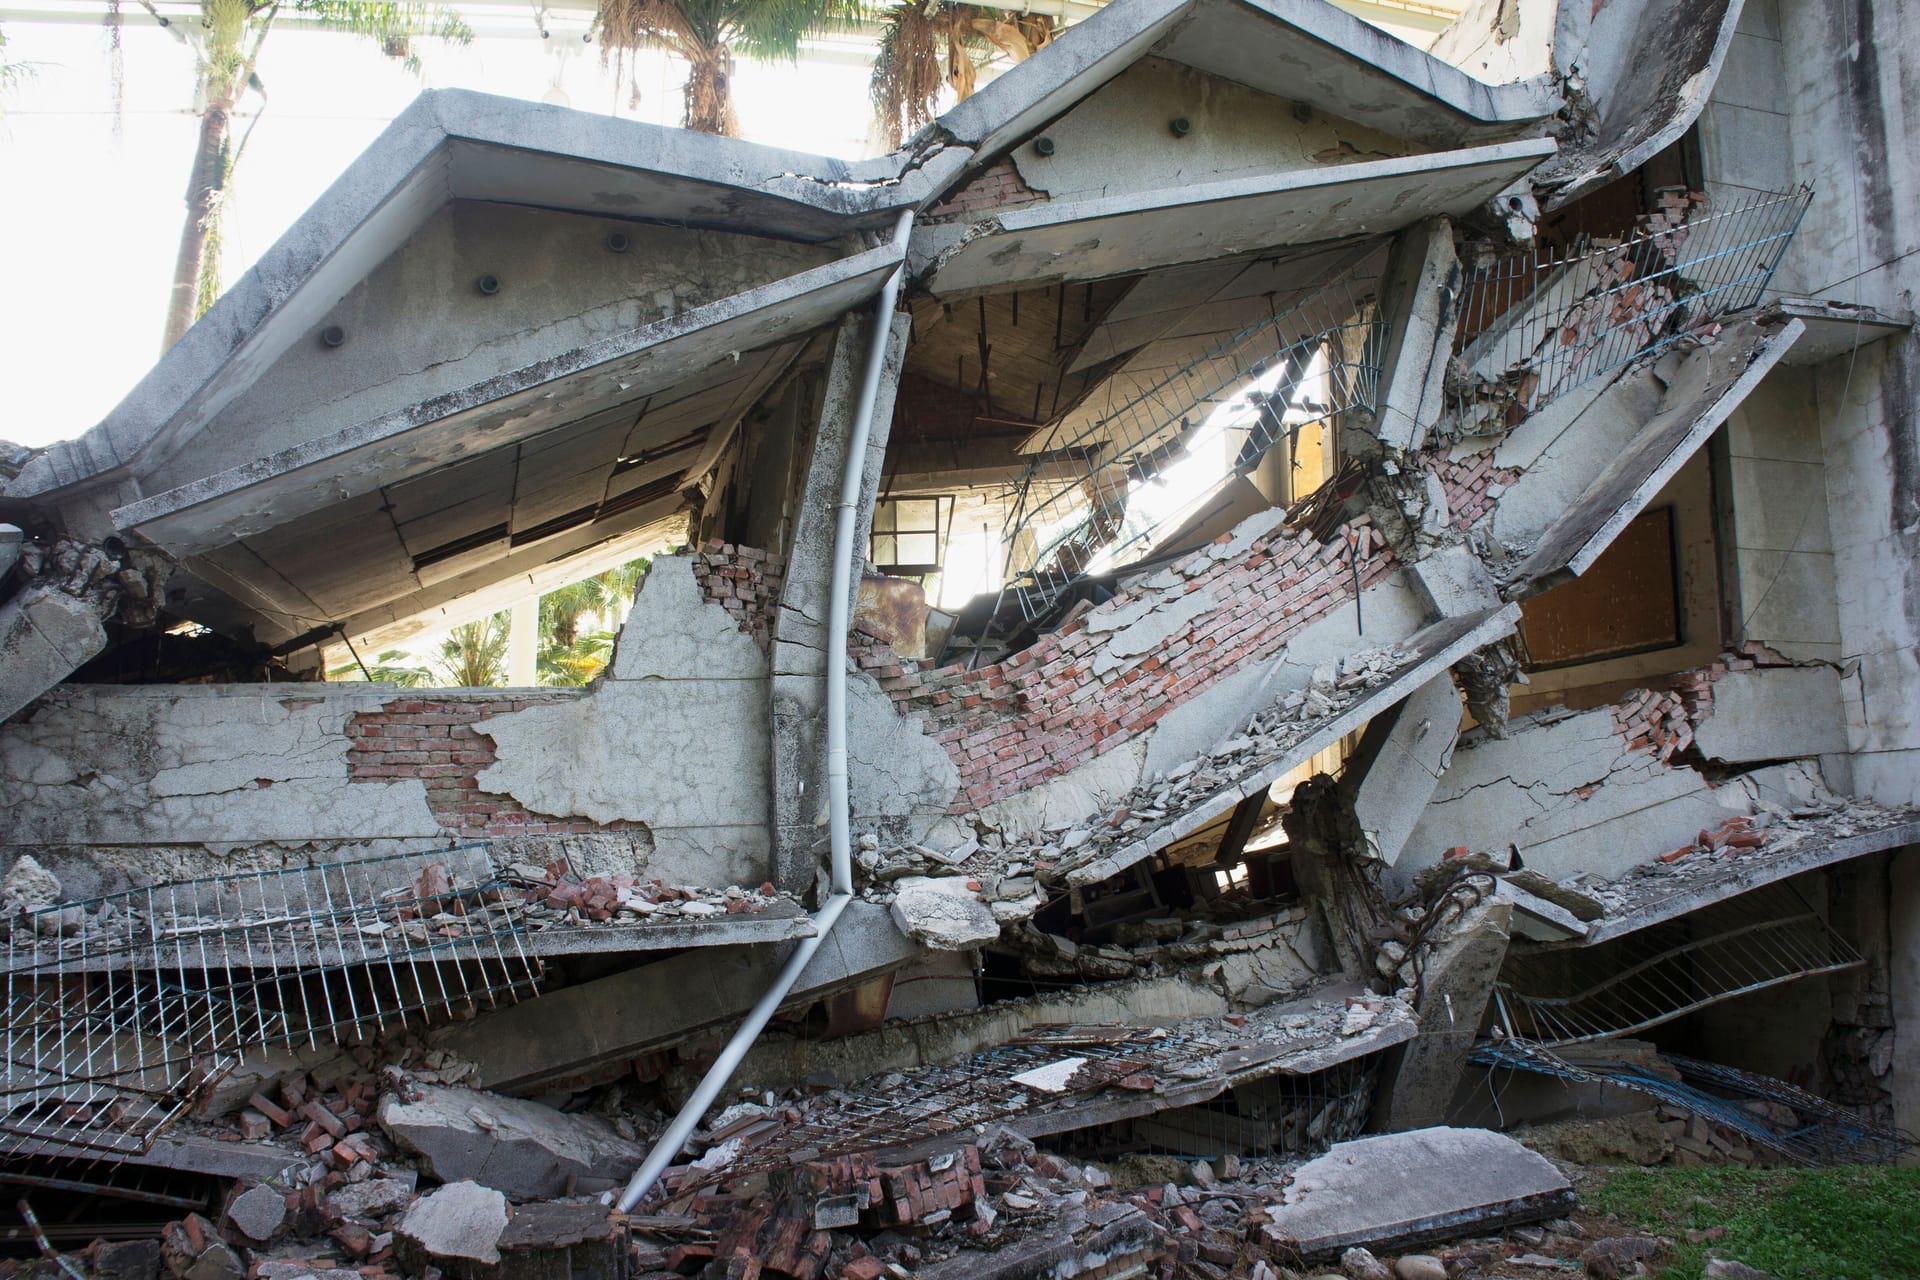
(675, 738)
(220, 765)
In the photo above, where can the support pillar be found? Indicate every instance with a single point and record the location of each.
(799, 626)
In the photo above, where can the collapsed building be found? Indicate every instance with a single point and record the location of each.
(1456, 648)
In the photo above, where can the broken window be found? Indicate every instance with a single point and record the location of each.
(910, 535)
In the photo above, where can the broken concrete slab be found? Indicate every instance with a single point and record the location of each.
(519, 1148)
(590, 1031)
(462, 1221)
(45, 636)
(943, 914)
(1399, 1190)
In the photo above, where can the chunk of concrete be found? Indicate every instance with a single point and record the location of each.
(943, 913)
(258, 1212)
(29, 885)
(1399, 1190)
(462, 1221)
(45, 636)
(1456, 983)
(370, 1200)
(519, 1148)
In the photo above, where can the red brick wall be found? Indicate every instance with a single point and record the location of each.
(998, 187)
(1043, 712)
(434, 740)
(1466, 482)
(744, 581)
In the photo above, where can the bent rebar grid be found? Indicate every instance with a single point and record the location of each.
(1536, 324)
(1566, 995)
(122, 1009)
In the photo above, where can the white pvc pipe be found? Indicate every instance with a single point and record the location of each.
(840, 828)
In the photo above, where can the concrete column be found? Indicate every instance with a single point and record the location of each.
(523, 644)
(799, 626)
(1903, 987)
(1456, 984)
(1416, 300)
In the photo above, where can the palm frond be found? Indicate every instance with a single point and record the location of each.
(925, 49)
(474, 654)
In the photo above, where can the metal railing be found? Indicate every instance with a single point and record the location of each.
(1536, 324)
(1305, 365)
(122, 1009)
(1730, 948)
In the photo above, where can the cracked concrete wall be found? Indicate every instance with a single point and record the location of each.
(1600, 792)
(1121, 138)
(126, 784)
(418, 325)
(673, 739)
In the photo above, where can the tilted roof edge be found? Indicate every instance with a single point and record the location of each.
(1050, 82)
(387, 191)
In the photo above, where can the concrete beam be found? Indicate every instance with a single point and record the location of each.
(1087, 239)
(591, 1031)
(1398, 774)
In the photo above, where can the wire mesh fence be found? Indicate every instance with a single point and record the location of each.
(122, 1009)
(1536, 324)
(1142, 468)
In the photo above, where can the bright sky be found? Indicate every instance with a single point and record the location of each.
(91, 202)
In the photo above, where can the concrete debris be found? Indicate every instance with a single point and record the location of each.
(1408, 1188)
(258, 1212)
(461, 1221)
(942, 917)
(1359, 1264)
(521, 1149)
(28, 886)
(370, 1200)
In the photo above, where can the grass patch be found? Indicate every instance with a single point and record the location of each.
(1856, 1223)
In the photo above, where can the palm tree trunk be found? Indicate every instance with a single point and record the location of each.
(709, 91)
(203, 185)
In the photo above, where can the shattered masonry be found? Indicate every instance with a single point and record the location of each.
(1443, 674)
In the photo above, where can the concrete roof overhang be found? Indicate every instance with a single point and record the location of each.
(1305, 50)
(458, 145)
(1088, 239)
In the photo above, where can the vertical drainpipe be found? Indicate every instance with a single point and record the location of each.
(839, 817)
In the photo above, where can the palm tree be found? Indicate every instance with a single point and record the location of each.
(474, 654)
(12, 75)
(226, 42)
(388, 668)
(706, 34)
(603, 595)
(935, 44)
(576, 663)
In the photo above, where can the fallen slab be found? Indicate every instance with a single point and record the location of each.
(521, 1149)
(1400, 1190)
(592, 1031)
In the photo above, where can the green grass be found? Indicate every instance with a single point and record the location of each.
(1856, 1223)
